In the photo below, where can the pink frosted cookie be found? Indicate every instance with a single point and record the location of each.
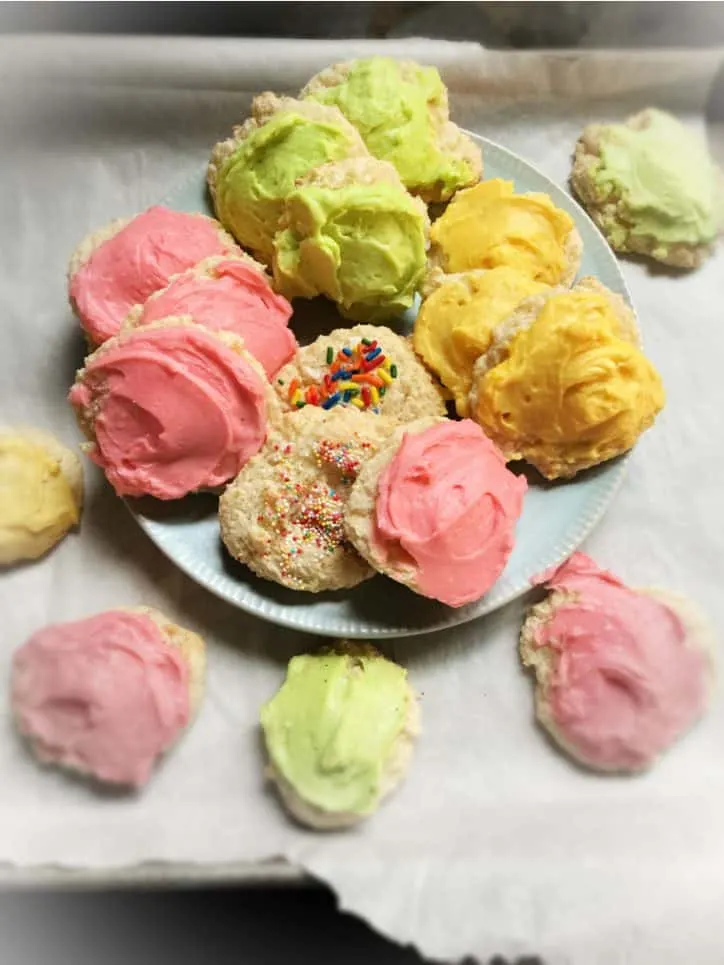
(120, 265)
(233, 295)
(172, 408)
(621, 673)
(107, 696)
(436, 510)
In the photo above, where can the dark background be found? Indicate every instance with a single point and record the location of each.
(519, 25)
(288, 925)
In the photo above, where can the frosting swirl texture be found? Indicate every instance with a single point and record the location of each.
(489, 225)
(173, 409)
(235, 297)
(447, 505)
(331, 729)
(624, 681)
(138, 260)
(105, 695)
(572, 389)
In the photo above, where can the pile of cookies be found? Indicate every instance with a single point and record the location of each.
(364, 451)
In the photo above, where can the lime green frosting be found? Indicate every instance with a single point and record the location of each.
(665, 177)
(331, 728)
(254, 181)
(362, 245)
(392, 113)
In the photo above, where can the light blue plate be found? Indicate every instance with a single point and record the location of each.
(555, 520)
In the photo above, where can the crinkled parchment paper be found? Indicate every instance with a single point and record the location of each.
(495, 844)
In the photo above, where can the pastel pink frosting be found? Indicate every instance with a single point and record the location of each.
(237, 297)
(626, 681)
(173, 410)
(447, 506)
(106, 695)
(137, 261)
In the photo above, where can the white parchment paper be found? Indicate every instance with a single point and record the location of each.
(495, 844)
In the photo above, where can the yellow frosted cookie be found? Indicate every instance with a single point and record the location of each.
(490, 225)
(564, 384)
(456, 321)
(41, 493)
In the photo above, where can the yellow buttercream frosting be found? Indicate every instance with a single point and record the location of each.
(572, 390)
(455, 324)
(37, 503)
(489, 225)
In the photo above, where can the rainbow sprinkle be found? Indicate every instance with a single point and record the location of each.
(358, 376)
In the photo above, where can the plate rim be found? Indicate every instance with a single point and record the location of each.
(279, 614)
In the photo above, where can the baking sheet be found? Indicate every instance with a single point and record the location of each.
(495, 844)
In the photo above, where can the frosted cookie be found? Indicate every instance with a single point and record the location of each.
(172, 408)
(123, 263)
(339, 734)
(455, 324)
(352, 232)
(621, 673)
(401, 111)
(564, 384)
(284, 513)
(436, 509)
(490, 225)
(366, 367)
(651, 187)
(41, 493)
(228, 294)
(106, 696)
(251, 173)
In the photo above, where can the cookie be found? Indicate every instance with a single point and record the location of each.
(436, 510)
(172, 408)
(401, 111)
(366, 367)
(251, 173)
(489, 226)
(564, 384)
(41, 493)
(120, 265)
(455, 324)
(350, 231)
(232, 294)
(621, 673)
(651, 187)
(339, 734)
(284, 513)
(106, 696)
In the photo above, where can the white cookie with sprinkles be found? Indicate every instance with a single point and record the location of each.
(283, 516)
(367, 367)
